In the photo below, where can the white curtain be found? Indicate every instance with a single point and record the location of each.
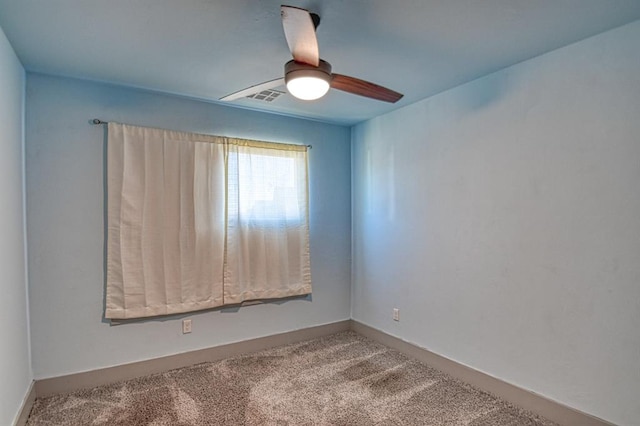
(197, 221)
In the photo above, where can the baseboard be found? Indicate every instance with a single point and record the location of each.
(27, 405)
(523, 398)
(103, 376)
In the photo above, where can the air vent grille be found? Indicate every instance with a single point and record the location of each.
(266, 95)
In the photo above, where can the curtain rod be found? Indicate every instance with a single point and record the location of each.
(98, 121)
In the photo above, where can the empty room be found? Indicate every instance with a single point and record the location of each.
(320, 212)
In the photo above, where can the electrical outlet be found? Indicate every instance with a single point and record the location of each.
(396, 314)
(186, 326)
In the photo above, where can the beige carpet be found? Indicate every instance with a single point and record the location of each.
(344, 379)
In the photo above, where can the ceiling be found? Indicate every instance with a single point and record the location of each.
(205, 49)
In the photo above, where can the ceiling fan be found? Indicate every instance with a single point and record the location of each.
(307, 76)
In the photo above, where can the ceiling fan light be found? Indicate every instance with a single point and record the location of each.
(307, 82)
(308, 88)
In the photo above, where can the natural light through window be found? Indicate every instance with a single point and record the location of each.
(263, 188)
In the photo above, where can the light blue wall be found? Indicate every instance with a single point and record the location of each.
(15, 365)
(502, 218)
(65, 196)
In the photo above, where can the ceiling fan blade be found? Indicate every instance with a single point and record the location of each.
(300, 33)
(364, 88)
(254, 89)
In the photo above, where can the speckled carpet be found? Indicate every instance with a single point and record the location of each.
(344, 379)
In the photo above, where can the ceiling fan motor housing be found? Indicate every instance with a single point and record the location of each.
(293, 70)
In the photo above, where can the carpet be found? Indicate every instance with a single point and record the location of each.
(343, 379)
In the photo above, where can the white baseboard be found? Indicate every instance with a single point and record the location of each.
(543, 406)
(27, 405)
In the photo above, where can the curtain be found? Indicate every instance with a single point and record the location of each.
(197, 221)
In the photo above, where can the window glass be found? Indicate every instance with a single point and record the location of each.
(263, 188)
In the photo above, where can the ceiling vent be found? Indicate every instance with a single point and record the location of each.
(266, 95)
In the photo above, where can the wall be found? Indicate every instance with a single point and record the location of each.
(15, 365)
(65, 194)
(502, 218)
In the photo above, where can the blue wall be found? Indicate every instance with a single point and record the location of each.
(15, 366)
(65, 199)
(502, 218)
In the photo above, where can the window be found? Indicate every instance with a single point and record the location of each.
(197, 221)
